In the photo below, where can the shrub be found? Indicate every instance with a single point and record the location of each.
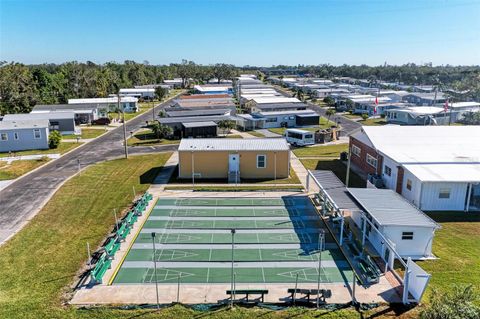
(364, 116)
(54, 139)
(459, 302)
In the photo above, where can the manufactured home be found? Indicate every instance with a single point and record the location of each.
(63, 122)
(234, 159)
(436, 168)
(23, 135)
(110, 104)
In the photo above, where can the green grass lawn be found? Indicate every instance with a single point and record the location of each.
(42, 261)
(321, 151)
(146, 137)
(293, 179)
(86, 134)
(352, 116)
(62, 148)
(337, 167)
(457, 245)
(18, 168)
(255, 133)
(373, 122)
(323, 124)
(328, 159)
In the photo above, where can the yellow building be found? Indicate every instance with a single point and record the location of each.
(234, 159)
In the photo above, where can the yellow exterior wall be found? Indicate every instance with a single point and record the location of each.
(214, 164)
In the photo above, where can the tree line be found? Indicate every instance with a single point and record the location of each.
(23, 86)
(459, 78)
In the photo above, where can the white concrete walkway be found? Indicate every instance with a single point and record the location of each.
(28, 157)
(243, 134)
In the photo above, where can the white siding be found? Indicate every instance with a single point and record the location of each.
(431, 201)
(419, 246)
(389, 181)
(412, 195)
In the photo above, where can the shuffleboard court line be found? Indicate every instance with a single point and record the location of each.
(228, 264)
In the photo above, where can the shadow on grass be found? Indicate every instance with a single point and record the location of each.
(149, 176)
(394, 309)
(454, 217)
(339, 169)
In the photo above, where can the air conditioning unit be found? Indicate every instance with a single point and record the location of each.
(376, 180)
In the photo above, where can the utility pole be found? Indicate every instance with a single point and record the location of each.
(124, 125)
(347, 178)
(155, 268)
(321, 235)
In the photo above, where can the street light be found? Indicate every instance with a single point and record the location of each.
(321, 235)
(232, 288)
(124, 126)
(155, 268)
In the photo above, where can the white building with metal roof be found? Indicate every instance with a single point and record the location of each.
(127, 103)
(408, 229)
(437, 168)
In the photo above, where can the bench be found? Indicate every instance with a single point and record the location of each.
(112, 247)
(101, 267)
(322, 293)
(131, 218)
(248, 292)
(123, 231)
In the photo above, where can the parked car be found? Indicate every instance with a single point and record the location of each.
(101, 121)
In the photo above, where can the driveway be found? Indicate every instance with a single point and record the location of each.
(23, 198)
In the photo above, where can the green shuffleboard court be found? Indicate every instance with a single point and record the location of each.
(276, 240)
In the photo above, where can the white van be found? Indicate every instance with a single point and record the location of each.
(298, 137)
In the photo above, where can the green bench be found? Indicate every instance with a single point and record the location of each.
(131, 218)
(123, 231)
(112, 247)
(101, 267)
(248, 292)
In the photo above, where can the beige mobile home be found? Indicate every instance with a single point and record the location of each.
(234, 159)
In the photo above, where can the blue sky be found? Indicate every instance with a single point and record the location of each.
(241, 32)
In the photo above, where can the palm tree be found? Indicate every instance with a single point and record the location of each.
(329, 113)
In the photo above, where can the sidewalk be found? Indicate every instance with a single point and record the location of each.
(28, 157)
(301, 172)
(242, 134)
(163, 177)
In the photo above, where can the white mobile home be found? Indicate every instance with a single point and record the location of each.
(142, 93)
(436, 168)
(127, 103)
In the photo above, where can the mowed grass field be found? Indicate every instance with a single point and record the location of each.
(40, 263)
(327, 157)
(457, 245)
(62, 148)
(17, 168)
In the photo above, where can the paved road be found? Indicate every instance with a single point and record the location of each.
(22, 199)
